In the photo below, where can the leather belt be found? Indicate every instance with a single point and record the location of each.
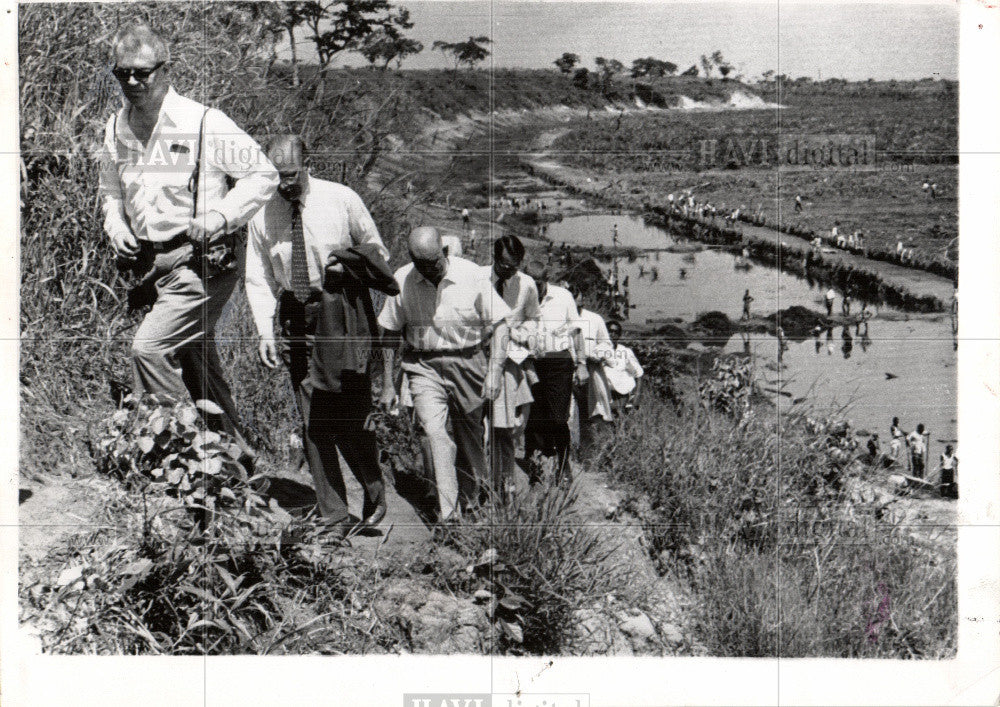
(163, 246)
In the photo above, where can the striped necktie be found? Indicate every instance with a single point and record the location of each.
(300, 264)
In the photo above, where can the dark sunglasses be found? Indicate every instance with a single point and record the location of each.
(138, 74)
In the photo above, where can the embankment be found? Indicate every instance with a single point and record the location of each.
(879, 282)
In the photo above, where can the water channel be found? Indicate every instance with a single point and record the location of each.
(905, 366)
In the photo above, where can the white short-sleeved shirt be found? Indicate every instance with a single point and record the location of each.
(457, 314)
(558, 319)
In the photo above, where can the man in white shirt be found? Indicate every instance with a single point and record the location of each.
(290, 247)
(548, 430)
(917, 443)
(164, 194)
(447, 311)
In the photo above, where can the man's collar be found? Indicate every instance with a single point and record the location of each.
(172, 106)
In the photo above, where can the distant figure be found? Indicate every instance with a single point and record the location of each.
(817, 330)
(782, 344)
(845, 305)
(837, 236)
(947, 484)
(873, 449)
(831, 295)
(898, 437)
(847, 347)
(683, 274)
(747, 299)
(899, 250)
(642, 270)
(798, 204)
(465, 218)
(917, 443)
(934, 191)
(655, 274)
(614, 236)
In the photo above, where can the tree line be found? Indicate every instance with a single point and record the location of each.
(649, 66)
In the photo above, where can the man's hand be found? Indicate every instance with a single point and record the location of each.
(205, 227)
(125, 244)
(268, 351)
(333, 265)
(491, 384)
(581, 374)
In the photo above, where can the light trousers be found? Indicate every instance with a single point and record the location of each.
(174, 350)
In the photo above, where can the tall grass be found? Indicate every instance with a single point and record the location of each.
(782, 561)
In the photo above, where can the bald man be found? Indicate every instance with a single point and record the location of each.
(448, 313)
(292, 253)
(164, 192)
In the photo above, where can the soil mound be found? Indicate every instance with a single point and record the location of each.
(797, 321)
(715, 324)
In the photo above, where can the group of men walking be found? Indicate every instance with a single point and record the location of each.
(476, 345)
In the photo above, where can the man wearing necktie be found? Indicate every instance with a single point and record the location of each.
(295, 247)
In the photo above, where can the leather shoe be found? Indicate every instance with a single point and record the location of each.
(376, 516)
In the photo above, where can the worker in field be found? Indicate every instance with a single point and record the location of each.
(916, 441)
(831, 295)
(747, 299)
(948, 473)
(798, 203)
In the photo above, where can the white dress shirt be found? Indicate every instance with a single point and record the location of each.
(558, 320)
(333, 216)
(144, 190)
(459, 313)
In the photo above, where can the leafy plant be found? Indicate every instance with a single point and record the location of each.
(153, 440)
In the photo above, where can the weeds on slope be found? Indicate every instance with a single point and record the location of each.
(534, 564)
(781, 559)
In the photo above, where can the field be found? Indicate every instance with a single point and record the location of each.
(915, 140)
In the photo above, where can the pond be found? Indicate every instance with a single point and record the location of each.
(905, 365)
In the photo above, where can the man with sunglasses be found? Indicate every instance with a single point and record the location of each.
(447, 310)
(166, 202)
(313, 252)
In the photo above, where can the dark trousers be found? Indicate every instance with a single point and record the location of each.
(548, 424)
(330, 421)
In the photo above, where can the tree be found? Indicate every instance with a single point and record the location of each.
(767, 75)
(281, 18)
(387, 43)
(469, 52)
(567, 61)
(652, 67)
(691, 70)
(581, 78)
(706, 65)
(609, 69)
(345, 24)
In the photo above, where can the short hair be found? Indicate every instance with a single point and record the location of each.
(509, 246)
(292, 139)
(614, 323)
(136, 36)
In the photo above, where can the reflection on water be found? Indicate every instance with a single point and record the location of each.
(890, 365)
